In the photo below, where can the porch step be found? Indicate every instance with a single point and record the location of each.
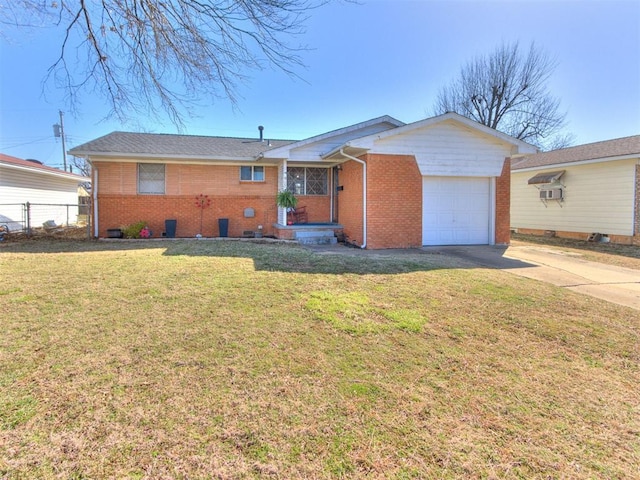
(316, 237)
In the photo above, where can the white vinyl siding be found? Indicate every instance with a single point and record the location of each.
(151, 178)
(313, 151)
(598, 198)
(21, 186)
(448, 149)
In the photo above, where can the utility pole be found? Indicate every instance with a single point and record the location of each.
(58, 132)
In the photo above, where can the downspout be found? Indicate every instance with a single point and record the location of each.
(94, 189)
(364, 195)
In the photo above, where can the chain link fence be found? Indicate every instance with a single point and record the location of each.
(38, 219)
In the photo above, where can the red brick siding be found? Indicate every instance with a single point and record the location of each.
(119, 204)
(394, 201)
(350, 201)
(318, 207)
(115, 211)
(116, 178)
(503, 204)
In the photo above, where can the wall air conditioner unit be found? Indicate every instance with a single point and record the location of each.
(551, 194)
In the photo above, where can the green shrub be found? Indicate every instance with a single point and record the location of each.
(133, 230)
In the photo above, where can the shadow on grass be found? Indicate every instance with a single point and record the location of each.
(269, 255)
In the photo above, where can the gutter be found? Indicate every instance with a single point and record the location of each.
(364, 194)
(53, 172)
(155, 157)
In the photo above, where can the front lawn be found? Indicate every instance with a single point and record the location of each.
(210, 359)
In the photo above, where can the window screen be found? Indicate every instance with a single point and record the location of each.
(151, 178)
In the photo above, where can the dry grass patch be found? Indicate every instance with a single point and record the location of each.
(236, 360)
(613, 254)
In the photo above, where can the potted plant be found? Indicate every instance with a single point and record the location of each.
(286, 200)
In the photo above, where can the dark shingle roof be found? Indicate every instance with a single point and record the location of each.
(169, 145)
(591, 151)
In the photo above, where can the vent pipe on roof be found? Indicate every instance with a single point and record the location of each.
(261, 128)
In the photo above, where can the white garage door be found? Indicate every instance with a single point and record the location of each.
(455, 210)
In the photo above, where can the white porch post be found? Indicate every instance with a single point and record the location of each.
(282, 185)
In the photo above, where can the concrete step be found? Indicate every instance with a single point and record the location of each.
(318, 240)
(320, 232)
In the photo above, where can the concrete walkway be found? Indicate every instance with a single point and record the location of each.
(552, 265)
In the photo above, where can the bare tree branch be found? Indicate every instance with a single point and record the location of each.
(507, 91)
(147, 56)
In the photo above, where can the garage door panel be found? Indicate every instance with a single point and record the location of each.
(456, 210)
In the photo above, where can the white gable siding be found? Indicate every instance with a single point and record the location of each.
(598, 198)
(448, 149)
(313, 151)
(20, 186)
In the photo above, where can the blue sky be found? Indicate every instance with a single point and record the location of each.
(379, 57)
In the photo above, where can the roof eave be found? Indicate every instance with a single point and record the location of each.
(283, 152)
(60, 174)
(122, 156)
(521, 146)
(338, 152)
(577, 162)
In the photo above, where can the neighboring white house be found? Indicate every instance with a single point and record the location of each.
(580, 191)
(49, 190)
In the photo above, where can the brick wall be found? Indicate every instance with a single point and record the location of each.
(116, 211)
(318, 207)
(394, 201)
(503, 205)
(350, 201)
(120, 205)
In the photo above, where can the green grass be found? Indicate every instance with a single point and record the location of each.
(208, 359)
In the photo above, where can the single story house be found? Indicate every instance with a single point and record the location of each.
(51, 193)
(439, 181)
(585, 192)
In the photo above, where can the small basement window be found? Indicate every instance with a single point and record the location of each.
(252, 174)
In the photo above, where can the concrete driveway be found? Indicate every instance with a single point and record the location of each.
(614, 284)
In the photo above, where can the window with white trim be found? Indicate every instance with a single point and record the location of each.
(151, 178)
(307, 180)
(252, 174)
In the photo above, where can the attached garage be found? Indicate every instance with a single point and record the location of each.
(456, 211)
(439, 181)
